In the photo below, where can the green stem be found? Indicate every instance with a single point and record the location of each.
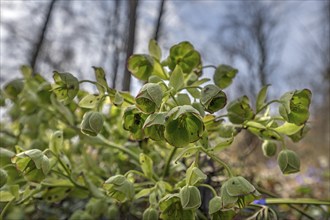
(5, 209)
(169, 159)
(209, 66)
(267, 104)
(272, 201)
(213, 157)
(118, 147)
(190, 87)
(209, 187)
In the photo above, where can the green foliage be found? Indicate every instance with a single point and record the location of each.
(112, 156)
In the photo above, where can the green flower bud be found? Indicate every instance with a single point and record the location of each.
(183, 126)
(288, 161)
(154, 126)
(149, 98)
(190, 197)
(194, 175)
(150, 214)
(212, 98)
(133, 122)
(240, 110)
(113, 212)
(269, 148)
(92, 123)
(119, 188)
(66, 86)
(295, 106)
(3, 177)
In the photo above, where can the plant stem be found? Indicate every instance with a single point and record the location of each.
(168, 162)
(220, 162)
(309, 201)
(265, 106)
(5, 209)
(209, 187)
(209, 66)
(113, 145)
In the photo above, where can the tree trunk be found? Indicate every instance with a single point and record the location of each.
(159, 20)
(130, 41)
(38, 48)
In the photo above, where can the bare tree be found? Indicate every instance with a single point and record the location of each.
(130, 41)
(38, 47)
(159, 20)
(249, 33)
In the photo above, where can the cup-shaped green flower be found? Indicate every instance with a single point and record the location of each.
(190, 197)
(212, 98)
(240, 110)
(66, 86)
(224, 75)
(295, 106)
(133, 122)
(119, 188)
(141, 66)
(150, 214)
(33, 163)
(149, 98)
(269, 148)
(288, 161)
(184, 55)
(3, 177)
(237, 191)
(183, 126)
(92, 123)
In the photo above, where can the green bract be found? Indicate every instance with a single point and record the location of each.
(237, 191)
(154, 126)
(14, 88)
(288, 161)
(212, 98)
(190, 197)
(133, 122)
(183, 126)
(92, 123)
(224, 75)
(184, 55)
(141, 66)
(149, 98)
(33, 163)
(295, 105)
(240, 110)
(119, 188)
(170, 207)
(216, 212)
(66, 86)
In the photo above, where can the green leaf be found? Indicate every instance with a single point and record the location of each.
(96, 192)
(149, 98)
(261, 98)
(141, 66)
(143, 193)
(26, 71)
(102, 85)
(224, 75)
(238, 186)
(300, 134)
(190, 197)
(150, 214)
(146, 165)
(183, 99)
(13, 88)
(66, 86)
(215, 205)
(3, 177)
(288, 128)
(154, 50)
(6, 196)
(90, 101)
(223, 143)
(176, 79)
(56, 142)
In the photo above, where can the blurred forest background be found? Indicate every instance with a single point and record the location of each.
(285, 43)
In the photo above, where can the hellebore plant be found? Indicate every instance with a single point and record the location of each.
(114, 156)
